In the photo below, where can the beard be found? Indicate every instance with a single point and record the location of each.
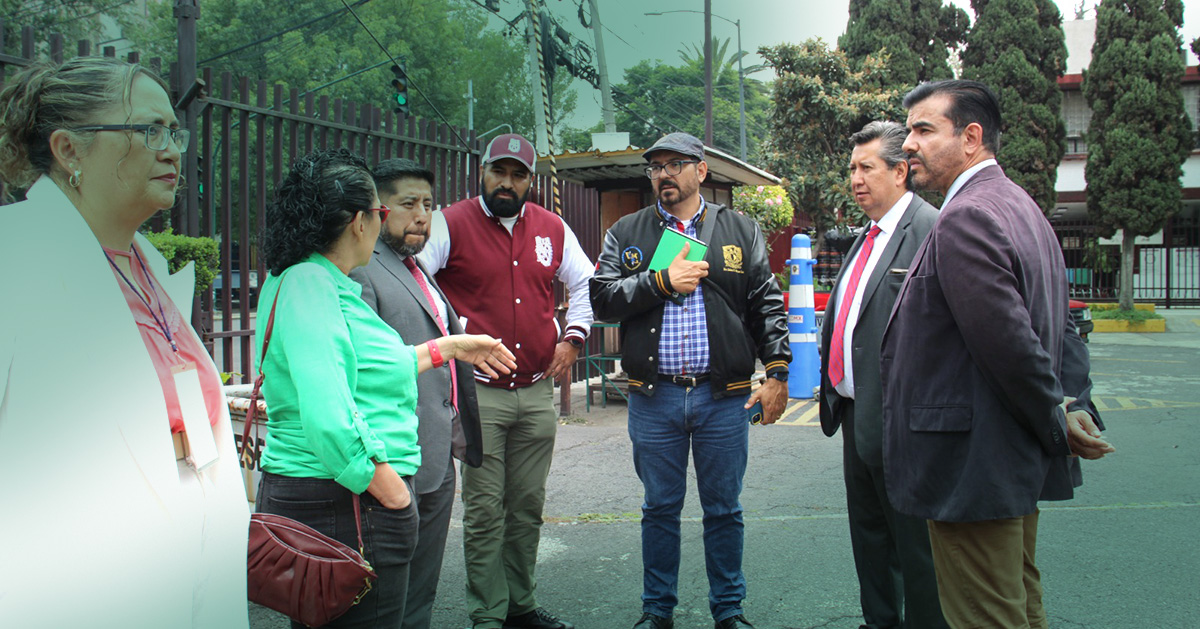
(679, 194)
(401, 245)
(504, 208)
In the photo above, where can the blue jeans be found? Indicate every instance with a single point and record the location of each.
(662, 429)
(389, 539)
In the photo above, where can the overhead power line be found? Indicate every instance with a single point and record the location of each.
(279, 34)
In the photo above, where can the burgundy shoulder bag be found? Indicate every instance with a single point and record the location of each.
(292, 568)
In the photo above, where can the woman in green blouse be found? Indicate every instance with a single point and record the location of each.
(339, 383)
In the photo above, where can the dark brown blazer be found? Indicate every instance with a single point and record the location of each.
(972, 360)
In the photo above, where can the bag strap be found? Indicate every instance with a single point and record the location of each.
(252, 413)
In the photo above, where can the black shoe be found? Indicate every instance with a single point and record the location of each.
(733, 622)
(536, 619)
(650, 621)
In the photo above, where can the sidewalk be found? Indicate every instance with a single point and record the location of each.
(1183, 330)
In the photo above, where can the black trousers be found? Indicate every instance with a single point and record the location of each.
(897, 583)
(389, 539)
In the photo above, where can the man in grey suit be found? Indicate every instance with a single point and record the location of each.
(397, 287)
(976, 424)
(897, 585)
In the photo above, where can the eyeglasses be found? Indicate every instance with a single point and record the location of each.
(157, 137)
(383, 211)
(672, 168)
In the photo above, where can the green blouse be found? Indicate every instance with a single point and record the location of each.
(339, 383)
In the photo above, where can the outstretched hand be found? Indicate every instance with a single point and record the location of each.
(489, 355)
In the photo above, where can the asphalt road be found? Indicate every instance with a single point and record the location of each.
(1124, 553)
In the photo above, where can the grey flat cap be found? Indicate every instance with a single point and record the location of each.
(680, 143)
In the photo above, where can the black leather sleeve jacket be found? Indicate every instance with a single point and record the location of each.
(746, 318)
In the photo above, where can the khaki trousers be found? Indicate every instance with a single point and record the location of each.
(986, 573)
(503, 499)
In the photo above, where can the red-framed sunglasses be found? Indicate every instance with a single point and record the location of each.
(383, 211)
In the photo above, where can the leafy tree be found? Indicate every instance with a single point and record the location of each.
(74, 19)
(917, 35)
(1017, 48)
(442, 42)
(1140, 134)
(820, 101)
(657, 98)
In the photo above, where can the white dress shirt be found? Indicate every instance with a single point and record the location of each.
(887, 226)
(966, 175)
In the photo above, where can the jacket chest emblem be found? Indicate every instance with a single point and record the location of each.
(631, 257)
(733, 258)
(544, 249)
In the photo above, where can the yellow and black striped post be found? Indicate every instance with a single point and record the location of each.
(541, 63)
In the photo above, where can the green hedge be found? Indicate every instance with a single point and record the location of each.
(179, 250)
(1126, 315)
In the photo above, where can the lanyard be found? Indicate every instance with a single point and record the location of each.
(162, 322)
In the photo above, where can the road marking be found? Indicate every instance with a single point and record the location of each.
(1112, 403)
(800, 413)
(1196, 321)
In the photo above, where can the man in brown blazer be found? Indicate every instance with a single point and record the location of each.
(976, 425)
(896, 580)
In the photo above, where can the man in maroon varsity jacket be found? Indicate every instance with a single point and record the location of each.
(496, 257)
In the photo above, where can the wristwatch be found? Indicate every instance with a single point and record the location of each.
(781, 376)
(574, 340)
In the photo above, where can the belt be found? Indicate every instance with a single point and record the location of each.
(684, 381)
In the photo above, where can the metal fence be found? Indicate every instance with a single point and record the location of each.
(1166, 273)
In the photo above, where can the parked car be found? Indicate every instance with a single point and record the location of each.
(1082, 314)
(235, 285)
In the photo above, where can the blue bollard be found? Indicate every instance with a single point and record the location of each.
(804, 374)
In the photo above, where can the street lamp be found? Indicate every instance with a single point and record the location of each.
(741, 75)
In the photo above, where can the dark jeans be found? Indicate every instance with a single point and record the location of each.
(389, 538)
(663, 429)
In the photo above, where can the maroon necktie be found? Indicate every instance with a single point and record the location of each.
(836, 352)
(420, 277)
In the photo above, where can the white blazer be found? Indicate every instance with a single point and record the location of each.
(100, 526)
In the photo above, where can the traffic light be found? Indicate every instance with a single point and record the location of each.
(492, 5)
(400, 85)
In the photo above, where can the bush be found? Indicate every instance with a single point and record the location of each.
(179, 250)
(1134, 316)
(769, 206)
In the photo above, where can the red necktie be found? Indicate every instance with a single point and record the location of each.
(420, 277)
(836, 352)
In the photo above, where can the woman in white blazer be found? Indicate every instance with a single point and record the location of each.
(122, 498)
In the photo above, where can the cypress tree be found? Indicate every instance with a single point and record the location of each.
(1017, 48)
(1139, 135)
(917, 35)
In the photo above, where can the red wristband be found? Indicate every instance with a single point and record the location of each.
(435, 354)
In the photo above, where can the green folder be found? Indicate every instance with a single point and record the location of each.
(670, 245)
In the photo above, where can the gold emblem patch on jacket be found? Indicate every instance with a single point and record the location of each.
(733, 258)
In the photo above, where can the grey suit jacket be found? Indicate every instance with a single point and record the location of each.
(390, 289)
(879, 294)
(972, 361)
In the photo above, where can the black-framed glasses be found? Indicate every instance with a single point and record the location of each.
(156, 136)
(382, 209)
(672, 168)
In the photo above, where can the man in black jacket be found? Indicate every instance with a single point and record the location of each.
(691, 333)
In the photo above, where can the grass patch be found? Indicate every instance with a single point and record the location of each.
(1135, 316)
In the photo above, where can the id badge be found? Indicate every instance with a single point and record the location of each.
(202, 447)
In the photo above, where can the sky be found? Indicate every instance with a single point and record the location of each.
(630, 36)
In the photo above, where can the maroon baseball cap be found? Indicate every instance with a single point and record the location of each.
(511, 146)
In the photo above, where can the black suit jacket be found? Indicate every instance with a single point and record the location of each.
(390, 289)
(879, 295)
(972, 360)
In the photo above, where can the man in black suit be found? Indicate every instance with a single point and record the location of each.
(976, 425)
(897, 585)
(397, 286)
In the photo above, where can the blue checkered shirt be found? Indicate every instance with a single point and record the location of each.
(683, 346)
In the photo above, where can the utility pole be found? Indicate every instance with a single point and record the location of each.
(610, 120)
(741, 91)
(187, 12)
(471, 109)
(708, 78)
(542, 138)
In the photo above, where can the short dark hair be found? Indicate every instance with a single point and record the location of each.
(891, 137)
(389, 171)
(970, 101)
(313, 205)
